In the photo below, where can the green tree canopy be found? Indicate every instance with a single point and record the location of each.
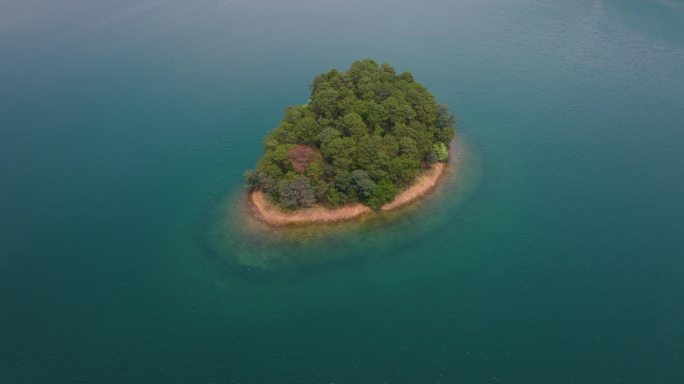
(363, 135)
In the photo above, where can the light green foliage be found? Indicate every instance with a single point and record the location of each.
(440, 151)
(327, 134)
(372, 131)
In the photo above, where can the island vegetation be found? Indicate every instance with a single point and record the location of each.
(364, 136)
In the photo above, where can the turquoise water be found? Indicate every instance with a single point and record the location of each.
(553, 255)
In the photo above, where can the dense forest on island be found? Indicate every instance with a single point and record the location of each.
(363, 136)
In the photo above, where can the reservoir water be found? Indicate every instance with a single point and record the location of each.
(553, 254)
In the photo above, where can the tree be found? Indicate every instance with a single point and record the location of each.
(339, 152)
(363, 184)
(444, 123)
(323, 101)
(300, 156)
(327, 134)
(252, 178)
(352, 125)
(440, 151)
(382, 194)
(296, 193)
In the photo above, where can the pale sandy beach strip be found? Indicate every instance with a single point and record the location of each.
(423, 184)
(263, 210)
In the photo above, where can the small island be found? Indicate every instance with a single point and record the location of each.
(368, 140)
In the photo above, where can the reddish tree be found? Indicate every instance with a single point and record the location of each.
(300, 156)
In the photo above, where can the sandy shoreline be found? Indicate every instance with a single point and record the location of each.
(264, 211)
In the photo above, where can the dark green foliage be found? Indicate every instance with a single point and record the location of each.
(382, 194)
(364, 135)
(362, 183)
(252, 178)
(296, 193)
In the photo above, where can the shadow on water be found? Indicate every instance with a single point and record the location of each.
(241, 245)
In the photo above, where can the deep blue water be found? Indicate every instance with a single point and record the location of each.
(555, 253)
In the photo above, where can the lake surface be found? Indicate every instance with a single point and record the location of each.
(554, 253)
